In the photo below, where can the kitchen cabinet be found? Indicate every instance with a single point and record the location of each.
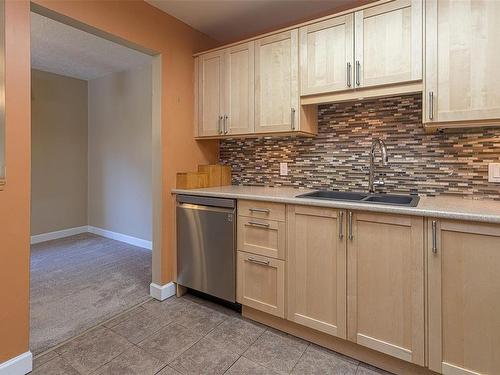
(387, 60)
(326, 55)
(277, 83)
(225, 91)
(316, 269)
(261, 283)
(385, 284)
(262, 210)
(210, 98)
(462, 64)
(239, 89)
(388, 43)
(264, 237)
(463, 293)
(262, 228)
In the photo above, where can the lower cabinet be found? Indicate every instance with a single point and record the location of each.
(361, 276)
(464, 297)
(260, 283)
(385, 284)
(316, 269)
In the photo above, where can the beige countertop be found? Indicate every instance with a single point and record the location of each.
(448, 207)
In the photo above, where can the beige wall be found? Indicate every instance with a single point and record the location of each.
(58, 152)
(120, 153)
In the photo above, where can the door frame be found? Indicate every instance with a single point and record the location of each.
(156, 129)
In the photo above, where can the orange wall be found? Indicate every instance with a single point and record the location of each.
(15, 199)
(135, 22)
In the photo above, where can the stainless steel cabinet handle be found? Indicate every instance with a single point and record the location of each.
(431, 105)
(292, 119)
(350, 226)
(253, 260)
(434, 237)
(226, 117)
(220, 126)
(255, 223)
(263, 210)
(341, 225)
(348, 74)
(358, 68)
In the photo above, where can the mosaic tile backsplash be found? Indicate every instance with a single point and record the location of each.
(338, 157)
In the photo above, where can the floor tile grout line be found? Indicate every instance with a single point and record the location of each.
(300, 357)
(102, 324)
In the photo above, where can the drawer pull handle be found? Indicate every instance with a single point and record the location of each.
(434, 237)
(341, 225)
(263, 210)
(253, 260)
(254, 223)
(358, 67)
(350, 226)
(431, 105)
(348, 74)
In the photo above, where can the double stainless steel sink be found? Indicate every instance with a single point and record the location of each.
(388, 199)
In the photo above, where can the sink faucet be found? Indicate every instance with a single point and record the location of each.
(385, 159)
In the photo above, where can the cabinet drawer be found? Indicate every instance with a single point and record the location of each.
(262, 210)
(261, 283)
(263, 237)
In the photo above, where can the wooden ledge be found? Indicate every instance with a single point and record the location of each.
(2, 183)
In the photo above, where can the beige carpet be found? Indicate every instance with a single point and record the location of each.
(80, 281)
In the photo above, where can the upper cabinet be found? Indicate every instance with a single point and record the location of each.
(225, 91)
(388, 43)
(239, 89)
(273, 84)
(377, 48)
(210, 88)
(251, 88)
(326, 55)
(276, 82)
(462, 63)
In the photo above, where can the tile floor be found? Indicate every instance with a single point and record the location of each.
(191, 336)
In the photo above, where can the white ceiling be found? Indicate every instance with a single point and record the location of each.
(229, 20)
(65, 50)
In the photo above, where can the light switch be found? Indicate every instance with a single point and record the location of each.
(283, 169)
(494, 172)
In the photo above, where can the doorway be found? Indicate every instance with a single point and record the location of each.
(95, 175)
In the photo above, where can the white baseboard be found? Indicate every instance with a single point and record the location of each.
(90, 229)
(162, 292)
(20, 365)
(121, 237)
(58, 234)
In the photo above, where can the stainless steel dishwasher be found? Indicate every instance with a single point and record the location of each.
(206, 245)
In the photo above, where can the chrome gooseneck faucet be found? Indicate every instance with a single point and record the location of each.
(371, 183)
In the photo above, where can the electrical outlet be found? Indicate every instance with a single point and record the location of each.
(283, 169)
(494, 172)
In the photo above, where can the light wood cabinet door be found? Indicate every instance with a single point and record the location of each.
(239, 89)
(316, 269)
(462, 61)
(276, 83)
(385, 284)
(326, 55)
(388, 43)
(210, 78)
(264, 237)
(464, 297)
(261, 283)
